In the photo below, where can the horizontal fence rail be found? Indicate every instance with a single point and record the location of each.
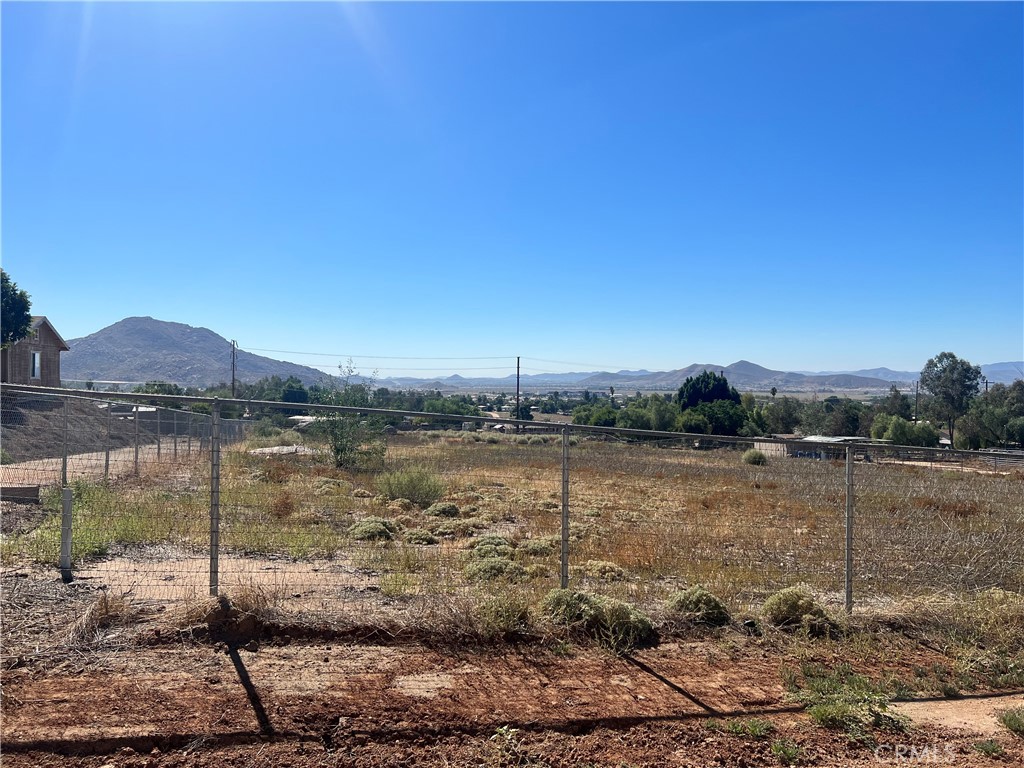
(382, 513)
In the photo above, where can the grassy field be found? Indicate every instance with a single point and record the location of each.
(646, 520)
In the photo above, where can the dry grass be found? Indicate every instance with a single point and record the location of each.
(656, 519)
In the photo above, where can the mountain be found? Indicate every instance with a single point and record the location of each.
(742, 374)
(996, 373)
(139, 349)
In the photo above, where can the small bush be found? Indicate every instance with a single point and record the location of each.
(493, 569)
(568, 607)
(793, 607)
(5, 457)
(614, 624)
(373, 529)
(543, 547)
(1013, 719)
(989, 748)
(420, 536)
(787, 752)
(420, 486)
(623, 626)
(755, 457)
(755, 728)
(504, 616)
(699, 606)
(442, 509)
(604, 570)
(401, 505)
(490, 546)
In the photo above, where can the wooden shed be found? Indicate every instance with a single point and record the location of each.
(34, 359)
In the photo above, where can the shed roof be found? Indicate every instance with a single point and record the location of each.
(39, 320)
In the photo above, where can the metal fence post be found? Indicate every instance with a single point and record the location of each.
(175, 418)
(564, 580)
(106, 451)
(188, 443)
(849, 529)
(215, 499)
(158, 433)
(65, 535)
(64, 452)
(135, 417)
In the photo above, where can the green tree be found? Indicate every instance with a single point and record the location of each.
(896, 404)
(725, 417)
(15, 311)
(523, 413)
(707, 387)
(782, 416)
(954, 383)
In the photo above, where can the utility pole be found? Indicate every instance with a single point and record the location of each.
(917, 399)
(517, 391)
(234, 359)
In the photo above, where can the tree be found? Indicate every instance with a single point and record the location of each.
(953, 383)
(706, 388)
(15, 311)
(896, 404)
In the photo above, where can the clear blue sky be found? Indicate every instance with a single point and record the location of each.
(806, 186)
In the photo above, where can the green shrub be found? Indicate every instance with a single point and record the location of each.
(623, 626)
(419, 485)
(5, 457)
(373, 529)
(1013, 719)
(490, 546)
(569, 606)
(755, 728)
(787, 752)
(755, 457)
(700, 606)
(493, 569)
(794, 607)
(504, 616)
(614, 624)
(604, 570)
(542, 547)
(442, 509)
(989, 748)
(355, 442)
(420, 536)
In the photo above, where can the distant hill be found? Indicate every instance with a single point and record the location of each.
(996, 373)
(139, 349)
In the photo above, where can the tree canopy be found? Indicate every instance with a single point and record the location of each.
(953, 383)
(15, 311)
(707, 387)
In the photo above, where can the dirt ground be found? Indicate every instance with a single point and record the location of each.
(171, 700)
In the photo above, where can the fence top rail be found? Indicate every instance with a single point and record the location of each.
(945, 453)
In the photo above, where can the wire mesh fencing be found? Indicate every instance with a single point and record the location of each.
(340, 512)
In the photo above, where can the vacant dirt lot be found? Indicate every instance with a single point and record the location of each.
(150, 694)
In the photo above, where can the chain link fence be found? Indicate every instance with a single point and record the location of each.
(333, 511)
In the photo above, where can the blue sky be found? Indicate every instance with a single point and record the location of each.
(806, 186)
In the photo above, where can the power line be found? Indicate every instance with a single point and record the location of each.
(372, 357)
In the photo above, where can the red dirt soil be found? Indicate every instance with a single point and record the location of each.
(322, 704)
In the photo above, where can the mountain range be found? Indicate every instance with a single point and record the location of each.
(139, 349)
